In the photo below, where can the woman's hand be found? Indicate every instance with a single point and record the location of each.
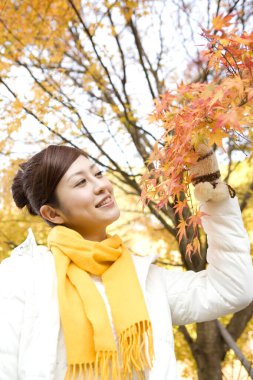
(206, 177)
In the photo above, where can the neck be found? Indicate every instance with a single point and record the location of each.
(93, 236)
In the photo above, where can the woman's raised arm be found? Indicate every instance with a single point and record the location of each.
(226, 286)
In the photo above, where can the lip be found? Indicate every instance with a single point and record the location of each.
(106, 205)
(110, 204)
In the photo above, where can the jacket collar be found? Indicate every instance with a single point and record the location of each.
(28, 247)
(141, 263)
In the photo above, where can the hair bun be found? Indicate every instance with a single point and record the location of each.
(18, 192)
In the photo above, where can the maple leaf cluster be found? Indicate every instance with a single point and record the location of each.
(201, 112)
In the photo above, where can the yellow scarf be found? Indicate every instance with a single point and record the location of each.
(90, 344)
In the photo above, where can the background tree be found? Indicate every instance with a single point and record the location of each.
(86, 74)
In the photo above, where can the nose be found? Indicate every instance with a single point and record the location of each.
(99, 185)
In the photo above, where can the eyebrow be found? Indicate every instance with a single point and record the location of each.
(80, 172)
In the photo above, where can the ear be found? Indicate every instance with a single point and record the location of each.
(51, 214)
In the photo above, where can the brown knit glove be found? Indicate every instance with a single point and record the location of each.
(206, 177)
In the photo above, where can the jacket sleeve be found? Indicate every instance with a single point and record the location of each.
(12, 299)
(226, 286)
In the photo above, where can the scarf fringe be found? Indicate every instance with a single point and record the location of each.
(136, 349)
(106, 367)
(137, 353)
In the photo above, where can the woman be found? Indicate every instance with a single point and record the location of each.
(84, 308)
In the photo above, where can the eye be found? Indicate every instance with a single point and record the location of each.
(100, 173)
(81, 182)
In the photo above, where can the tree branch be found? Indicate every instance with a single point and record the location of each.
(232, 345)
(188, 338)
(239, 321)
(36, 117)
(246, 197)
(141, 53)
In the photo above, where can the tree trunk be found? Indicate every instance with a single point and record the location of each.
(208, 351)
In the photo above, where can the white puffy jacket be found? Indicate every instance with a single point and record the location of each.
(31, 340)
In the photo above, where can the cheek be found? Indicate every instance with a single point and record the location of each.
(72, 203)
(77, 208)
(81, 202)
(109, 185)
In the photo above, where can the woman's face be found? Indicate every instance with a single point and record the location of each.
(86, 200)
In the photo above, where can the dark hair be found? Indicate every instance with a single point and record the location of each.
(35, 182)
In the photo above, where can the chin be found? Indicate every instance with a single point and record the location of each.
(117, 214)
(114, 217)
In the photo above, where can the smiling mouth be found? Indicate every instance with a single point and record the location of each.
(106, 202)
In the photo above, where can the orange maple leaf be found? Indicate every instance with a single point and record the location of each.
(189, 249)
(196, 245)
(179, 206)
(181, 229)
(195, 219)
(229, 120)
(221, 21)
